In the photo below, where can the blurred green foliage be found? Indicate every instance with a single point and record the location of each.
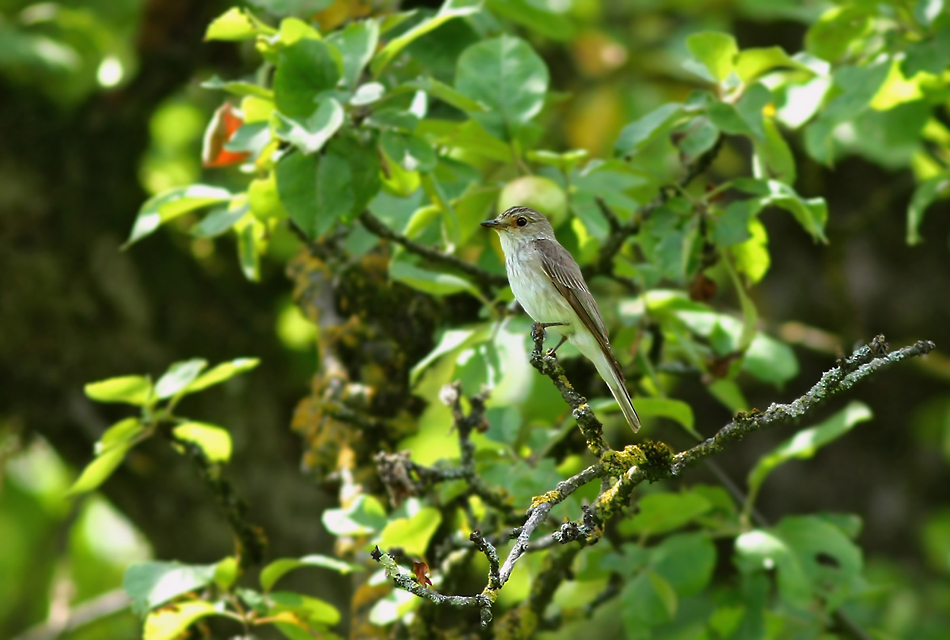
(349, 117)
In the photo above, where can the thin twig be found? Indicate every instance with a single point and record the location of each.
(484, 279)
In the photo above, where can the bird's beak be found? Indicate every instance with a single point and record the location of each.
(491, 224)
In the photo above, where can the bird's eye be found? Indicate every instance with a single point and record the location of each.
(522, 221)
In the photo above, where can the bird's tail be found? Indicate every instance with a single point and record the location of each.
(609, 369)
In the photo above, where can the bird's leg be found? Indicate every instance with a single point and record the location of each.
(557, 346)
(537, 334)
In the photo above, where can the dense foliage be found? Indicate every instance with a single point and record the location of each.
(357, 147)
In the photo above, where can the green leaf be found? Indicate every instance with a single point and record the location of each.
(173, 203)
(238, 88)
(717, 51)
(770, 360)
(664, 512)
(726, 117)
(451, 9)
(411, 152)
(666, 408)
(639, 132)
(686, 561)
(443, 92)
(753, 63)
(304, 69)
(135, 390)
(701, 136)
(366, 515)
(750, 106)
(222, 372)
(97, 471)
(556, 26)
(433, 282)
(773, 157)
(811, 213)
(213, 440)
(763, 550)
(250, 247)
(313, 610)
(643, 605)
(412, 534)
(179, 376)
(278, 568)
(805, 443)
(310, 134)
(168, 624)
(150, 584)
(122, 432)
(813, 540)
(363, 161)
(831, 36)
(356, 43)
(924, 195)
(752, 256)
(293, 29)
(226, 573)
(508, 77)
(236, 24)
(315, 190)
(218, 222)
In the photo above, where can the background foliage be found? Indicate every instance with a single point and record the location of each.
(767, 165)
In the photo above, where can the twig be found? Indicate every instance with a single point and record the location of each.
(864, 362)
(547, 364)
(539, 510)
(484, 279)
(89, 611)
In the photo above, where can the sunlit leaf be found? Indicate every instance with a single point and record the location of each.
(508, 77)
(214, 441)
(412, 534)
(179, 376)
(805, 443)
(357, 44)
(171, 204)
(433, 282)
(366, 515)
(314, 610)
(278, 568)
(236, 24)
(534, 16)
(135, 390)
(97, 471)
(222, 372)
(169, 622)
(717, 51)
(151, 584)
(450, 9)
(311, 133)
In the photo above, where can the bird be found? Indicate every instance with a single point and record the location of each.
(549, 286)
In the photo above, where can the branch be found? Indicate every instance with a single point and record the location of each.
(484, 279)
(620, 232)
(864, 362)
(538, 513)
(547, 364)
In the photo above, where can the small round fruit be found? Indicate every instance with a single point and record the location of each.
(537, 192)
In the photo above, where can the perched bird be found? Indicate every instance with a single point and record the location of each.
(548, 284)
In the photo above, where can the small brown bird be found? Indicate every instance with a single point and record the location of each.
(549, 285)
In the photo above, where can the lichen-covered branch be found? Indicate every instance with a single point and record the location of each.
(538, 513)
(864, 362)
(484, 279)
(547, 364)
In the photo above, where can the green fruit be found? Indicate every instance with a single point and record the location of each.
(537, 192)
(263, 199)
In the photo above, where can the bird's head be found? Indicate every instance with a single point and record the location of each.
(521, 223)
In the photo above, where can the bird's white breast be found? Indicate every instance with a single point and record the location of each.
(532, 287)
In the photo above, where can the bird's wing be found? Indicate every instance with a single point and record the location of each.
(560, 266)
